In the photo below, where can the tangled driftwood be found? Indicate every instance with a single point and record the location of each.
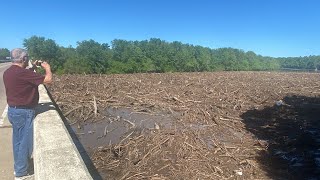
(207, 138)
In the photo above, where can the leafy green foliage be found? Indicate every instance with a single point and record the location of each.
(154, 55)
(307, 62)
(93, 55)
(40, 48)
(4, 53)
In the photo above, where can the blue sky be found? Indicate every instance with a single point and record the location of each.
(277, 28)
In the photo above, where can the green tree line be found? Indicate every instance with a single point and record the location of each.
(306, 62)
(154, 55)
(4, 53)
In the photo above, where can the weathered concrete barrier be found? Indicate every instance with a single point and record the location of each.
(55, 155)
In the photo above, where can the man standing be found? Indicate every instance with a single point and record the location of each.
(21, 86)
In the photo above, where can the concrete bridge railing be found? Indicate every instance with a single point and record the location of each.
(55, 155)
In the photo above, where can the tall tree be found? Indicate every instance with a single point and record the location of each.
(94, 55)
(40, 48)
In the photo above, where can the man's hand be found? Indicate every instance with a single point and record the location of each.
(34, 65)
(48, 76)
(45, 66)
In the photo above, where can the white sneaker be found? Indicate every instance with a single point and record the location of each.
(26, 177)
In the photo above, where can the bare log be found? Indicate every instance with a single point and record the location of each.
(95, 106)
(67, 113)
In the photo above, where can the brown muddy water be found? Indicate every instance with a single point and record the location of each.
(119, 123)
(122, 122)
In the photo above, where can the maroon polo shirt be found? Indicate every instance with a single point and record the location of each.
(22, 86)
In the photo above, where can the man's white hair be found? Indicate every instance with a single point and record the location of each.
(17, 55)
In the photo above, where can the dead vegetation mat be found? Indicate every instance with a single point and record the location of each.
(211, 136)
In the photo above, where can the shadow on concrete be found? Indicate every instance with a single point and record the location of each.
(291, 132)
(44, 107)
(86, 158)
(31, 167)
(41, 108)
